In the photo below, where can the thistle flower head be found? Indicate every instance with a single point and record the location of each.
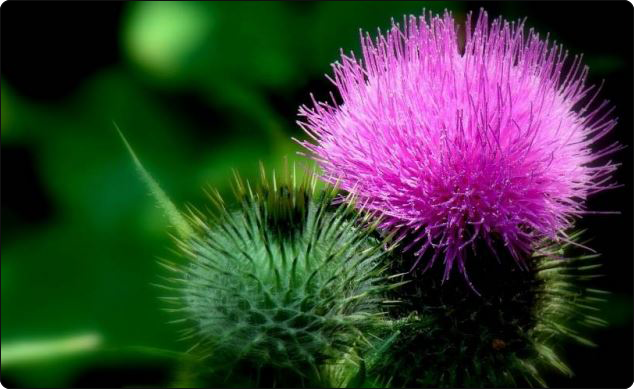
(457, 140)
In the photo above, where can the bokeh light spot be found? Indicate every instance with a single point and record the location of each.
(162, 37)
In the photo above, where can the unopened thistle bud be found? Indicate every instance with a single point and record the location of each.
(283, 286)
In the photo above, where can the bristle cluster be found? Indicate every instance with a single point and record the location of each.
(487, 138)
(287, 284)
(507, 337)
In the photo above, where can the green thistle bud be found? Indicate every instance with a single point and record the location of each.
(285, 286)
(448, 336)
(286, 290)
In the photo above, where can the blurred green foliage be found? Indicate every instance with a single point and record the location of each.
(89, 267)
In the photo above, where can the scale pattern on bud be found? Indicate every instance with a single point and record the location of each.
(510, 335)
(285, 285)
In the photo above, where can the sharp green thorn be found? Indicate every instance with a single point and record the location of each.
(173, 214)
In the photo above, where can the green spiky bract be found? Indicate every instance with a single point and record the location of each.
(174, 216)
(286, 290)
(448, 336)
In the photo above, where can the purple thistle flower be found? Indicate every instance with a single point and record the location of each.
(451, 142)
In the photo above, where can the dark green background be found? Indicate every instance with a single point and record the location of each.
(199, 88)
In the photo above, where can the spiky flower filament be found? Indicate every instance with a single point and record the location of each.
(287, 283)
(511, 335)
(487, 140)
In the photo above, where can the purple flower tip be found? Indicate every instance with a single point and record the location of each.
(456, 135)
